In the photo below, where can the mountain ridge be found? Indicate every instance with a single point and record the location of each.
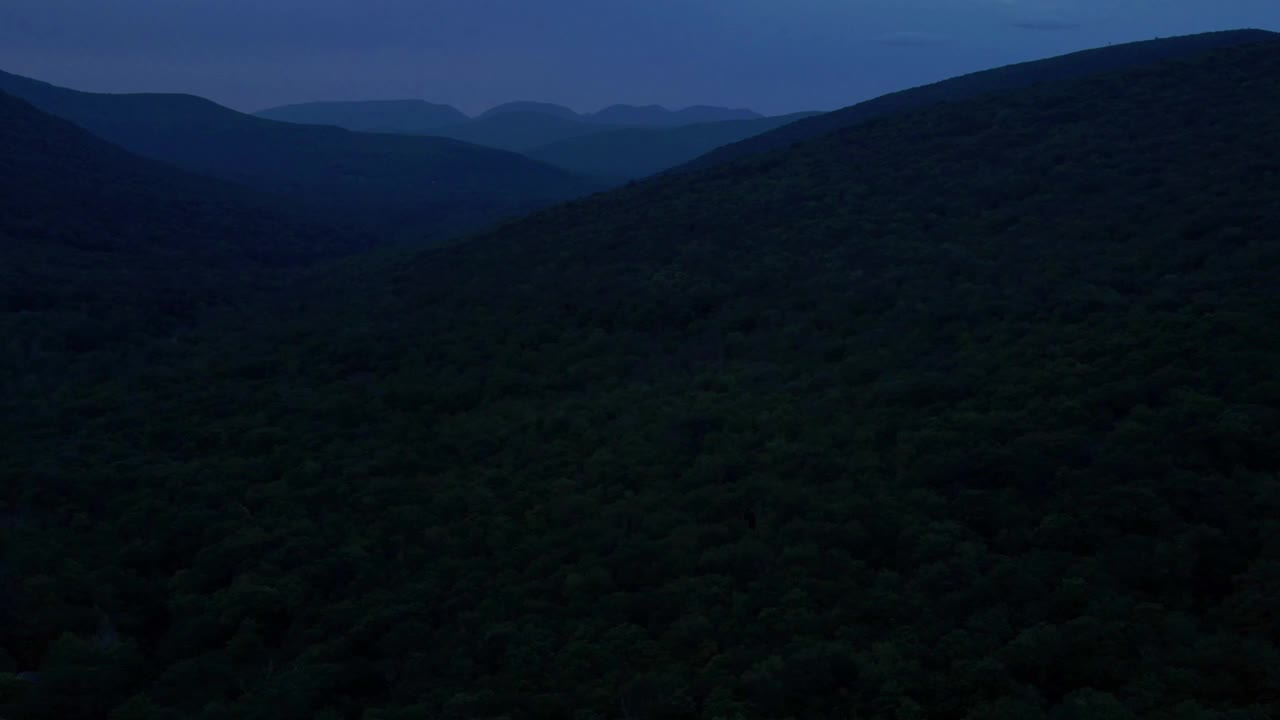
(435, 187)
(1008, 77)
(392, 116)
(100, 247)
(969, 412)
(637, 152)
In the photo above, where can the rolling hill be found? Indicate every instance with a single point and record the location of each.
(529, 106)
(519, 131)
(527, 127)
(415, 185)
(970, 413)
(629, 115)
(99, 248)
(404, 117)
(657, 115)
(631, 153)
(1056, 69)
(636, 145)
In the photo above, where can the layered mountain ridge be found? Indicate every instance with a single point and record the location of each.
(963, 411)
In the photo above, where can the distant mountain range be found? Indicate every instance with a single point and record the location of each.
(619, 142)
(419, 116)
(521, 126)
(416, 185)
(636, 152)
(520, 130)
(406, 117)
(660, 116)
(529, 106)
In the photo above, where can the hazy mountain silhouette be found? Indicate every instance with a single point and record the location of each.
(630, 153)
(528, 106)
(661, 116)
(521, 126)
(518, 131)
(407, 117)
(527, 127)
(1065, 67)
(416, 184)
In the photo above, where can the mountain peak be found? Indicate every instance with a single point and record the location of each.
(530, 106)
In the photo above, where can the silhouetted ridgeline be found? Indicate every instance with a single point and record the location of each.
(418, 185)
(619, 142)
(406, 117)
(1056, 69)
(632, 153)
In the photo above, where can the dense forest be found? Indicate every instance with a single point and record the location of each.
(968, 412)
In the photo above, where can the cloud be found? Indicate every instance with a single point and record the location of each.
(1048, 25)
(910, 39)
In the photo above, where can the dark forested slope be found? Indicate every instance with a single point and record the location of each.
(967, 414)
(407, 117)
(656, 115)
(98, 245)
(520, 106)
(1050, 70)
(519, 130)
(433, 184)
(630, 153)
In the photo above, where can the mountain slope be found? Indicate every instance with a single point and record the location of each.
(406, 117)
(657, 115)
(526, 126)
(1055, 69)
(99, 247)
(631, 153)
(432, 184)
(527, 106)
(519, 130)
(967, 414)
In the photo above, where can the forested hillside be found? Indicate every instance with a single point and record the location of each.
(100, 248)
(417, 186)
(406, 117)
(632, 153)
(967, 413)
(1056, 69)
(520, 131)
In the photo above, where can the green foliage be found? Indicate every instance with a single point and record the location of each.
(971, 413)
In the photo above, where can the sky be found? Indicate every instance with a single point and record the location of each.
(774, 56)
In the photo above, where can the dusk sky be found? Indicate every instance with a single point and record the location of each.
(771, 55)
